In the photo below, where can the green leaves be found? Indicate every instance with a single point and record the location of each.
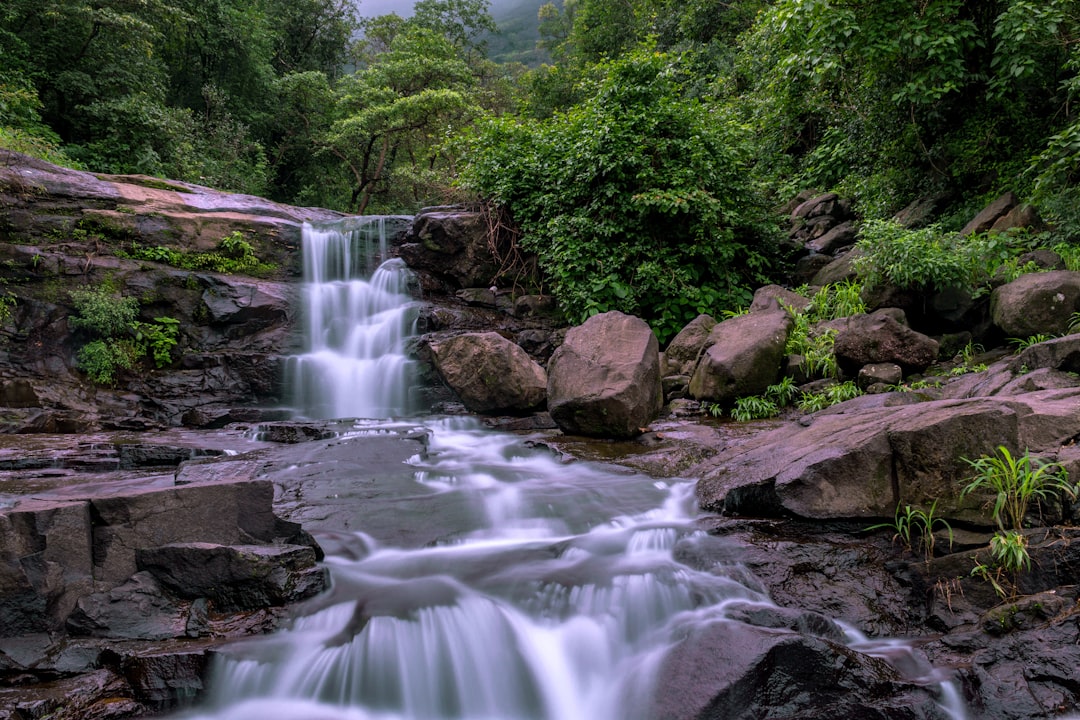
(636, 199)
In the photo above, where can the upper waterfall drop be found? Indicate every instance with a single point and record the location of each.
(357, 318)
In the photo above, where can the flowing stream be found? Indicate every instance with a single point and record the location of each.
(559, 603)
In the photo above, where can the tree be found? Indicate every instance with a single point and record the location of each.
(636, 199)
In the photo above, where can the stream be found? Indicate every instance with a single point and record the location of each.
(561, 596)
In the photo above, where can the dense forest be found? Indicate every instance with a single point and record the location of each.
(640, 148)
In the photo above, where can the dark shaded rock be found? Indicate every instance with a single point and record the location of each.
(526, 306)
(884, 373)
(137, 609)
(819, 205)
(1058, 354)
(729, 670)
(166, 678)
(807, 267)
(480, 297)
(490, 374)
(247, 306)
(991, 214)
(839, 270)
(46, 563)
(921, 211)
(453, 246)
(879, 338)
(843, 235)
(98, 695)
(1036, 303)
(742, 356)
(235, 578)
(682, 352)
(604, 380)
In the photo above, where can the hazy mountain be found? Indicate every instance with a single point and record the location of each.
(517, 21)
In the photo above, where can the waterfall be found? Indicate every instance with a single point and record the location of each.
(356, 319)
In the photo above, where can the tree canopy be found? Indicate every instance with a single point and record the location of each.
(638, 162)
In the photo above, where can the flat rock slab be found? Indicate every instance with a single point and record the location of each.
(860, 461)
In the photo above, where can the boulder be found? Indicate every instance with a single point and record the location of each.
(604, 380)
(885, 373)
(879, 338)
(138, 610)
(991, 214)
(1023, 216)
(742, 356)
(775, 297)
(452, 245)
(1062, 354)
(1036, 303)
(490, 373)
(840, 269)
(235, 578)
(682, 352)
(247, 306)
(843, 235)
(862, 458)
(729, 670)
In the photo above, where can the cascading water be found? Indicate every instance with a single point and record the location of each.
(561, 600)
(356, 320)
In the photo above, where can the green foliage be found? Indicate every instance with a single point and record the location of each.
(1022, 344)
(1015, 482)
(836, 300)
(754, 407)
(102, 359)
(814, 346)
(1010, 552)
(914, 528)
(102, 313)
(118, 339)
(636, 199)
(831, 395)
(234, 255)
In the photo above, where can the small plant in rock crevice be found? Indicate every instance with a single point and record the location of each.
(914, 529)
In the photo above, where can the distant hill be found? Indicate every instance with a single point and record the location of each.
(518, 32)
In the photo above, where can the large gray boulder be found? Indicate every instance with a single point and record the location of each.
(1036, 303)
(490, 373)
(880, 338)
(453, 246)
(604, 380)
(862, 458)
(742, 357)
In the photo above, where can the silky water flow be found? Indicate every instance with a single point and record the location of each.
(559, 603)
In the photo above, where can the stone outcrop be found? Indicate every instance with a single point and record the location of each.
(862, 458)
(1036, 303)
(991, 214)
(453, 246)
(604, 380)
(682, 352)
(742, 356)
(490, 373)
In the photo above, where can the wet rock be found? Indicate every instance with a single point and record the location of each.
(246, 306)
(728, 670)
(490, 373)
(453, 246)
(1036, 303)
(526, 306)
(162, 679)
(742, 356)
(862, 458)
(99, 695)
(604, 380)
(839, 270)
(138, 609)
(774, 297)
(879, 338)
(235, 578)
(481, 297)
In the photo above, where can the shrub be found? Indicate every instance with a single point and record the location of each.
(119, 339)
(102, 313)
(914, 528)
(636, 199)
(1015, 482)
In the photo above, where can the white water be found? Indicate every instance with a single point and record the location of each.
(560, 603)
(356, 319)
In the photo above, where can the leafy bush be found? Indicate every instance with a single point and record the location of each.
(754, 407)
(119, 339)
(1015, 482)
(234, 255)
(102, 313)
(637, 199)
